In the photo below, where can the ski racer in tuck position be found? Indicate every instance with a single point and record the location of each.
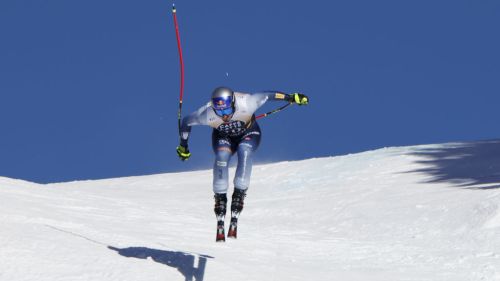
(236, 130)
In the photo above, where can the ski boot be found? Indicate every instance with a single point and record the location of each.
(236, 208)
(220, 213)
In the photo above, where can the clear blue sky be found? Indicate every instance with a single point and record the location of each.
(89, 89)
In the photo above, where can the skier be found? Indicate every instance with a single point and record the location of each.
(236, 130)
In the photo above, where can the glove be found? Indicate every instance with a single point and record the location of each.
(183, 152)
(299, 98)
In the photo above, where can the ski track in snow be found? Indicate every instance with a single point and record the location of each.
(368, 216)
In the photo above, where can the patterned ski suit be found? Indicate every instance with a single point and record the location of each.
(240, 135)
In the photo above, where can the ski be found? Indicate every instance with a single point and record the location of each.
(221, 235)
(233, 228)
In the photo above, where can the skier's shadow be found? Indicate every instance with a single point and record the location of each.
(474, 165)
(184, 262)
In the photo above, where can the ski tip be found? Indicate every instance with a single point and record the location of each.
(173, 8)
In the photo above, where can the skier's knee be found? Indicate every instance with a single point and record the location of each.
(222, 155)
(246, 148)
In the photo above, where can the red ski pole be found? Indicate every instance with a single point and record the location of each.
(181, 61)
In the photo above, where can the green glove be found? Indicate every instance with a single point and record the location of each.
(183, 152)
(299, 98)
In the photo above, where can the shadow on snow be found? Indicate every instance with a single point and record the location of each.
(474, 165)
(183, 262)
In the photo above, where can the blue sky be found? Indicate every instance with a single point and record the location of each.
(89, 89)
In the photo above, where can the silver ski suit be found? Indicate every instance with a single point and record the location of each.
(240, 135)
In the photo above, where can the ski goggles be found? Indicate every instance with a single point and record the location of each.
(223, 106)
(222, 112)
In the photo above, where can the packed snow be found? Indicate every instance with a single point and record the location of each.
(405, 213)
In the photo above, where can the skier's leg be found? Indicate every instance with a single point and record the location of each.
(221, 171)
(220, 185)
(223, 152)
(242, 178)
(246, 148)
(241, 183)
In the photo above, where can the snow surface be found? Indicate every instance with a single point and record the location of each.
(408, 213)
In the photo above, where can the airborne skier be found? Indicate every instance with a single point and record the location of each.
(236, 130)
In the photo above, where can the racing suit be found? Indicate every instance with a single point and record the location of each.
(241, 135)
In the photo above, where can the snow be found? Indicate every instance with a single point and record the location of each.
(404, 213)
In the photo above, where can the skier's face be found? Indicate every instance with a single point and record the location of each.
(223, 107)
(225, 111)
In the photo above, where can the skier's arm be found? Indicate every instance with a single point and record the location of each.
(263, 97)
(196, 118)
(185, 129)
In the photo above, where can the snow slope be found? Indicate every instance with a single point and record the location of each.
(409, 213)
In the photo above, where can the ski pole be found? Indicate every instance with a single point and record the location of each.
(273, 111)
(181, 61)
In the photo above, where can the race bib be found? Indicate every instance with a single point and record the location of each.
(232, 129)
